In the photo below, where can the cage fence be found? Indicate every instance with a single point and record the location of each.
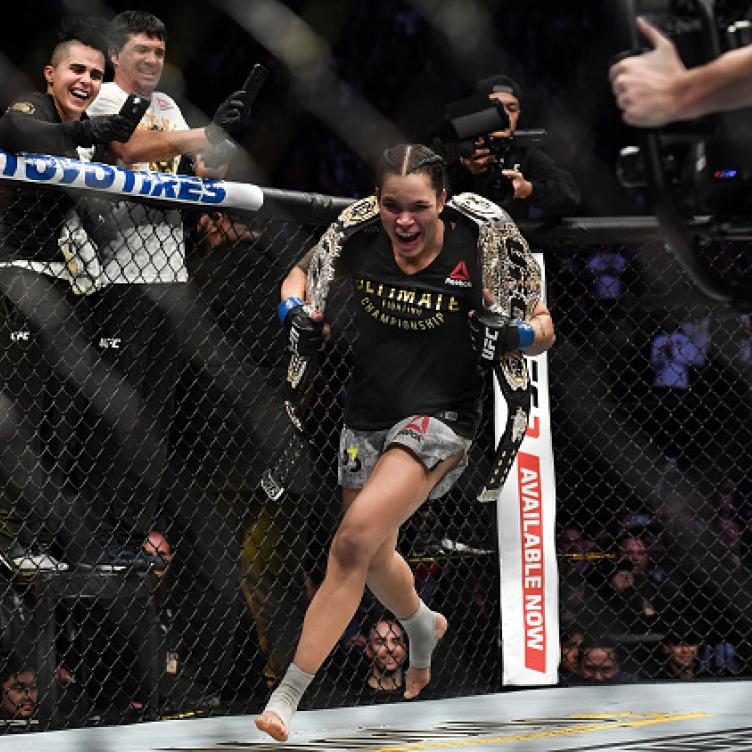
(146, 574)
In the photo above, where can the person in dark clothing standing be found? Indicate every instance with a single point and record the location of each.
(529, 184)
(37, 315)
(413, 401)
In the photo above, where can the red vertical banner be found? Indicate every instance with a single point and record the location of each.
(533, 562)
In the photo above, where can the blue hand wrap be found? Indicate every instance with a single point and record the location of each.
(287, 305)
(526, 333)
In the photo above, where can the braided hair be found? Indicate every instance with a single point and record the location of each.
(409, 159)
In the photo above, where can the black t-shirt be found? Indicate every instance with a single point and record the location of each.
(414, 355)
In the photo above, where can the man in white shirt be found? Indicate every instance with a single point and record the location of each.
(122, 465)
(161, 139)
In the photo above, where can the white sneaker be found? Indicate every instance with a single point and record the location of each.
(30, 563)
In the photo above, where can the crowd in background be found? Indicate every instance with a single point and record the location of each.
(652, 543)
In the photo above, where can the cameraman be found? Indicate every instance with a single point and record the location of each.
(527, 179)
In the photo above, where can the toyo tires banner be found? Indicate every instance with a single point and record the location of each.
(42, 169)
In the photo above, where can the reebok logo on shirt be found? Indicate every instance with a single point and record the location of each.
(460, 276)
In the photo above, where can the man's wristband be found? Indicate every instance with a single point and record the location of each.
(526, 334)
(287, 305)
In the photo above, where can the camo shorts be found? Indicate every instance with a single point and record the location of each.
(429, 439)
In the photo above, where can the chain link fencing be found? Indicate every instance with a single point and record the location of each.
(651, 397)
(145, 573)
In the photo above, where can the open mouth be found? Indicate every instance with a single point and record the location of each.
(407, 238)
(80, 94)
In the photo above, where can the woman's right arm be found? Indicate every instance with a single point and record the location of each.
(307, 331)
(294, 284)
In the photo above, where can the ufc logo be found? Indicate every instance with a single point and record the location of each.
(20, 336)
(489, 344)
(110, 343)
(294, 340)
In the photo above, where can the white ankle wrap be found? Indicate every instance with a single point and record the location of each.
(421, 633)
(285, 698)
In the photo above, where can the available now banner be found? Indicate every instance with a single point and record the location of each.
(526, 518)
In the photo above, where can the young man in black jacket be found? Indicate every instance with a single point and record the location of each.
(37, 320)
(54, 122)
(529, 184)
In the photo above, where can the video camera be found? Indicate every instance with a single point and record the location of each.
(698, 174)
(477, 121)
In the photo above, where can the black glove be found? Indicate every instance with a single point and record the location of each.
(493, 334)
(304, 335)
(227, 118)
(105, 128)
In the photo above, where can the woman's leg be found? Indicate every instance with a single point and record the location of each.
(391, 580)
(396, 488)
(389, 576)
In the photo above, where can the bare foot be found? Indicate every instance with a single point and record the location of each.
(270, 723)
(417, 678)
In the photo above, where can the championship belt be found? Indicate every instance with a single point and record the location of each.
(511, 274)
(301, 370)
